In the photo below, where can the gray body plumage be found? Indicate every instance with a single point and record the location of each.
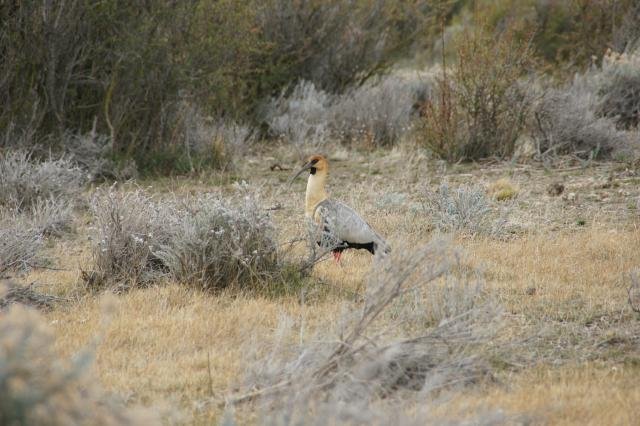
(346, 226)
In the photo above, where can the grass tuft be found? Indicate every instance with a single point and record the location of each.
(503, 189)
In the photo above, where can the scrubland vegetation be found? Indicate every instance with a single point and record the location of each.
(156, 268)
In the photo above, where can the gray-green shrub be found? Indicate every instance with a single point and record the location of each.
(24, 180)
(37, 387)
(209, 241)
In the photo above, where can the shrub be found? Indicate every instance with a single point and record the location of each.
(36, 387)
(335, 44)
(479, 107)
(24, 181)
(370, 360)
(302, 117)
(25, 295)
(128, 227)
(123, 72)
(209, 242)
(381, 110)
(567, 34)
(94, 154)
(201, 142)
(220, 243)
(463, 209)
(566, 123)
(20, 243)
(51, 217)
(619, 88)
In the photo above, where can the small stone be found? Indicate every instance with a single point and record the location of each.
(530, 291)
(555, 189)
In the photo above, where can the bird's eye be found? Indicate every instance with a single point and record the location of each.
(314, 161)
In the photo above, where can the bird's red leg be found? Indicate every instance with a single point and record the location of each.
(336, 256)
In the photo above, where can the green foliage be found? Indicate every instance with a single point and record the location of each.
(124, 70)
(567, 34)
(121, 69)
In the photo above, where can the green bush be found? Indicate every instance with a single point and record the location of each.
(124, 71)
(567, 34)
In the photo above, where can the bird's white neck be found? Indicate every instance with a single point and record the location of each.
(315, 192)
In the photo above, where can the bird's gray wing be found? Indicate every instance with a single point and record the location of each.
(346, 224)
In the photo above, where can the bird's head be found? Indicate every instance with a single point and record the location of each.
(315, 163)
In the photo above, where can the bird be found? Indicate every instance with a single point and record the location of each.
(345, 228)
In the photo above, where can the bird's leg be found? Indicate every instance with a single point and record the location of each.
(336, 256)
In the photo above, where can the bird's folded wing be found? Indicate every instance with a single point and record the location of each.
(345, 224)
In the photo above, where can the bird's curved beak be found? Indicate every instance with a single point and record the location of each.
(305, 167)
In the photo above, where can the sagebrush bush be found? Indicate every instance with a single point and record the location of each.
(567, 123)
(39, 388)
(382, 110)
(27, 295)
(301, 117)
(206, 143)
(209, 242)
(94, 153)
(376, 113)
(369, 359)
(619, 88)
(20, 242)
(219, 243)
(462, 209)
(479, 106)
(128, 227)
(25, 180)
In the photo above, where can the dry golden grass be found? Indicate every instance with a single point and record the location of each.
(560, 282)
(502, 189)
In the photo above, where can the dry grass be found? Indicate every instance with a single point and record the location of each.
(502, 189)
(569, 345)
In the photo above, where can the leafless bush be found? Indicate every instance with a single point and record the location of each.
(37, 387)
(479, 105)
(619, 88)
(567, 124)
(24, 180)
(368, 358)
(463, 209)
(218, 243)
(20, 243)
(382, 110)
(128, 227)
